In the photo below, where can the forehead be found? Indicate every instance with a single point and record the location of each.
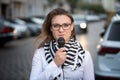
(61, 19)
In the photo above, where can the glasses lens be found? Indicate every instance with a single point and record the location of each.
(66, 26)
(55, 26)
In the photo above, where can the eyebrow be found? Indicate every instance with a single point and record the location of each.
(63, 23)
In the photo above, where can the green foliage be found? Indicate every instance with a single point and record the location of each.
(78, 4)
(118, 0)
(96, 8)
(51, 1)
(73, 4)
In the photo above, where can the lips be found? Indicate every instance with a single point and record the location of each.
(60, 35)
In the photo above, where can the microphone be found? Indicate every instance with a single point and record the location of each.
(61, 42)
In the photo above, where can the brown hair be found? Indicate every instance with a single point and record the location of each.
(46, 34)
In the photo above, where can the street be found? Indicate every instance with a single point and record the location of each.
(91, 39)
(16, 56)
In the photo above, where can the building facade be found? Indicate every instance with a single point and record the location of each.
(22, 8)
(27, 8)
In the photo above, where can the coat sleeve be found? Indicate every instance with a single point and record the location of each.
(42, 71)
(88, 67)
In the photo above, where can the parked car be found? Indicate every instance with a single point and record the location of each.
(6, 33)
(21, 31)
(108, 53)
(103, 16)
(38, 21)
(80, 23)
(34, 28)
(92, 18)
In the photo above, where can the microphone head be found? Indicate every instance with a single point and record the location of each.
(61, 42)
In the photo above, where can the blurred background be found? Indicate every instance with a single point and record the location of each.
(21, 23)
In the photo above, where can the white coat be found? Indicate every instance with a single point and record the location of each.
(41, 70)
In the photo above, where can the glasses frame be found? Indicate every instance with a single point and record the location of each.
(61, 25)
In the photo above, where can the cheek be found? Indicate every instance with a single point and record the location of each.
(54, 33)
(68, 33)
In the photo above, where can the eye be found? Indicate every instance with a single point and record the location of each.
(66, 25)
(56, 25)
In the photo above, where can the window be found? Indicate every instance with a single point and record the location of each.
(114, 33)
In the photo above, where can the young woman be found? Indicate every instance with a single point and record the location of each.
(51, 62)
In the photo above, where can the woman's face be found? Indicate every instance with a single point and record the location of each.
(61, 27)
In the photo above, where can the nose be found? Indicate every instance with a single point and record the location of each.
(61, 29)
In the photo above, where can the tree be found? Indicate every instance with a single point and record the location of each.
(51, 2)
(73, 4)
(96, 8)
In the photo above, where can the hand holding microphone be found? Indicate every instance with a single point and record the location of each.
(60, 55)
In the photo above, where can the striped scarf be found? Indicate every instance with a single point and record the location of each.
(75, 53)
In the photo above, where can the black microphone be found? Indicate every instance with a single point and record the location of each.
(61, 42)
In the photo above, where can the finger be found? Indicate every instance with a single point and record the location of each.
(62, 49)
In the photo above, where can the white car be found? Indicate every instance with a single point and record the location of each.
(107, 60)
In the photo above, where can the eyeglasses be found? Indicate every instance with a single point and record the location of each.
(64, 26)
